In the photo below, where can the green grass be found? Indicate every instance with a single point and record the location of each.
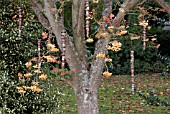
(115, 95)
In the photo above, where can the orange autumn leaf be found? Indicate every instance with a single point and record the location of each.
(50, 59)
(43, 77)
(35, 66)
(27, 75)
(20, 75)
(54, 50)
(55, 70)
(96, 1)
(44, 35)
(21, 91)
(35, 83)
(107, 74)
(63, 73)
(28, 64)
(60, 10)
(89, 40)
(100, 55)
(34, 59)
(108, 60)
(111, 16)
(37, 71)
(110, 28)
(37, 90)
(106, 19)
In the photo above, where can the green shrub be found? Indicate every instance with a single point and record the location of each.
(16, 51)
(12, 102)
(163, 39)
(148, 61)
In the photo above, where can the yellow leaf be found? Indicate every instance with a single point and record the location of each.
(108, 60)
(100, 55)
(37, 71)
(28, 64)
(107, 74)
(27, 75)
(135, 37)
(89, 40)
(54, 50)
(51, 45)
(43, 77)
(143, 23)
(35, 66)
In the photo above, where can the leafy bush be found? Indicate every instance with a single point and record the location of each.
(148, 61)
(163, 39)
(13, 102)
(16, 51)
(145, 61)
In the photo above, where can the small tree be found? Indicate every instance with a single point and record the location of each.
(86, 75)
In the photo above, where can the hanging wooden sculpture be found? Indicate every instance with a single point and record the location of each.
(63, 43)
(132, 70)
(144, 37)
(87, 18)
(39, 57)
(20, 22)
(63, 40)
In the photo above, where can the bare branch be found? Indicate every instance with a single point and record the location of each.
(78, 28)
(163, 5)
(98, 64)
(56, 26)
(125, 7)
(72, 57)
(39, 12)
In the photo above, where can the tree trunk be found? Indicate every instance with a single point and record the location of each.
(86, 91)
(87, 102)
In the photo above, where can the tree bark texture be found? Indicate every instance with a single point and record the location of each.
(87, 102)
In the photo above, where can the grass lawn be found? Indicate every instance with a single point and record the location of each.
(115, 95)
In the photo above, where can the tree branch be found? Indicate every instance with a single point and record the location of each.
(71, 55)
(163, 5)
(39, 12)
(78, 7)
(126, 6)
(98, 65)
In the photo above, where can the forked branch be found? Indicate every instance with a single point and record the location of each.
(163, 5)
(39, 12)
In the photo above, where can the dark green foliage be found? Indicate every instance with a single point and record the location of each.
(148, 61)
(145, 61)
(14, 52)
(164, 40)
(12, 102)
(154, 100)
